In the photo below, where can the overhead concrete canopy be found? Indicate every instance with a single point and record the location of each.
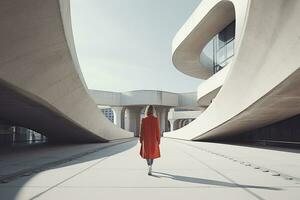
(43, 88)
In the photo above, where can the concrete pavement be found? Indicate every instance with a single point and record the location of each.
(186, 170)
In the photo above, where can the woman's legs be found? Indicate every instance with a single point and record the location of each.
(149, 162)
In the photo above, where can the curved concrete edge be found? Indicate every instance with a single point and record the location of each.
(37, 65)
(65, 10)
(278, 104)
(106, 98)
(260, 87)
(200, 28)
(209, 89)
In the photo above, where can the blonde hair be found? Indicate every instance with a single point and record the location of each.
(149, 110)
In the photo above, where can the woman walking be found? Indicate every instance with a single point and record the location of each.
(150, 138)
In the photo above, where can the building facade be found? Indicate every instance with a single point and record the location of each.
(245, 50)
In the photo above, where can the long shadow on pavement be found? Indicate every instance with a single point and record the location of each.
(208, 181)
(12, 189)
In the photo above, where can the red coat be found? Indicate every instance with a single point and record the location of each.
(150, 138)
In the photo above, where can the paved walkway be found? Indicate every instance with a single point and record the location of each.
(187, 170)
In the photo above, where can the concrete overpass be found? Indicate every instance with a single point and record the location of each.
(134, 102)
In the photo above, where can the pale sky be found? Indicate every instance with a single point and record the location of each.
(125, 45)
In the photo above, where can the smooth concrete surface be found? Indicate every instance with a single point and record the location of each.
(19, 158)
(162, 115)
(284, 160)
(209, 89)
(144, 97)
(134, 119)
(192, 114)
(210, 17)
(261, 85)
(185, 171)
(43, 88)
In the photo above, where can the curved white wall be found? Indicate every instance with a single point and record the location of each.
(209, 89)
(41, 75)
(261, 85)
(207, 20)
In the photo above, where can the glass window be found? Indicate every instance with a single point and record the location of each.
(208, 53)
(221, 48)
(221, 39)
(230, 49)
(221, 55)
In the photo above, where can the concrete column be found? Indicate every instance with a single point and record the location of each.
(159, 116)
(166, 121)
(185, 122)
(180, 123)
(176, 124)
(123, 118)
(134, 117)
(119, 115)
(162, 114)
(172, 121)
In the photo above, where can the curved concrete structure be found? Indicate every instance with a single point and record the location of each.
(261, 86)
(135, 101)
(175, 117)
(209, 89)
(206, 21)
(40, 78)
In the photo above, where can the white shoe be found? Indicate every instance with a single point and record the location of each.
(150, 170)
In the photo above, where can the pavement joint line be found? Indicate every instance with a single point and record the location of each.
(69, 178)
(263, 169)
(223, 175)
(30, 171)
(129, 187)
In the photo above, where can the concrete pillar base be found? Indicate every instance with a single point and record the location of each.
(134, 117)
